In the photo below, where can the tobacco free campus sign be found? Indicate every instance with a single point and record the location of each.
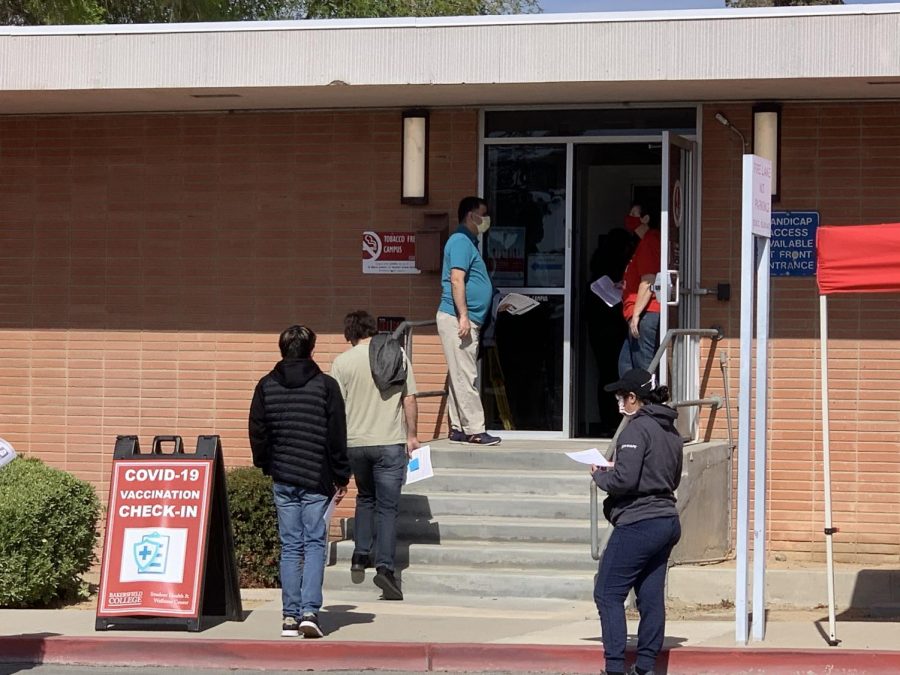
(793, 243)
(389, 253)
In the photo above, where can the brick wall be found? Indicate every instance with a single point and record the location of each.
(842, 160)
(149, 262)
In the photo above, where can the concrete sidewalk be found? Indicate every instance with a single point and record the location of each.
(440, 633)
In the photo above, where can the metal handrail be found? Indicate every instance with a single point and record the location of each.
(716, 402)
(404, 332)
(714, 334)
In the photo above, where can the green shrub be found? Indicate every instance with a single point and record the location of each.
(48, 530)
(256, 543)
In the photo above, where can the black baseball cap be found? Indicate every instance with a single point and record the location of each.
(636, 380)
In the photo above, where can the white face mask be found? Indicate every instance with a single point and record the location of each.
(621, 401)
(484, 224)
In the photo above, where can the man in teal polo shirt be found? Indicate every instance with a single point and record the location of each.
(466, 293)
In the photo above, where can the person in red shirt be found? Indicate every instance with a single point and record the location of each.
(639, 304)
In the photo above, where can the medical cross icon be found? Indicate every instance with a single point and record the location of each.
(151, 553)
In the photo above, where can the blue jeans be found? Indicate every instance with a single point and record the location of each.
(635, 557)
(302, 530)
(380, 471)
(638, 352)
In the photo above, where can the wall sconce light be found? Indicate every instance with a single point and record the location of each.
(767, 139)
(414, 172)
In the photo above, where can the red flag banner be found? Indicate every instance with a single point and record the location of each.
(858, 258)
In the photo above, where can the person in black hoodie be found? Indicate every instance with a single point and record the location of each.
(298, 435)
(640, 505)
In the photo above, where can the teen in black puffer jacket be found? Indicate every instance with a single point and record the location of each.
(298, 429)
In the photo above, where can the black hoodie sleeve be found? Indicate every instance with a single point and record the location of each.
(337, 434)
(259, 435)
(626, 474)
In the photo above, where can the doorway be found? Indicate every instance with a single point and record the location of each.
(609, 178)
(523, 356)
(559, 184)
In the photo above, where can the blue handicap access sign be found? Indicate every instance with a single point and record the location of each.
(793, 243)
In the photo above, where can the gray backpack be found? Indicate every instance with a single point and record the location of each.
(386, 361)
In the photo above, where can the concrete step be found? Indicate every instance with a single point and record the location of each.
(505, 521)
(450, 528)
(502, 457)
(438, 504)
(475, 581)
(521, 555)
(518, 483)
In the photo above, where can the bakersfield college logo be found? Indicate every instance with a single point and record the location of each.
(153, 554)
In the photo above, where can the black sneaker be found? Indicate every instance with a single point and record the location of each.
(457, 436)
(358, 564)
(389, 586)
(482, 439)
(309, 626)
(290, 627)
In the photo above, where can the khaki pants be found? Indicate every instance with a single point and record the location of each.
(464, 401)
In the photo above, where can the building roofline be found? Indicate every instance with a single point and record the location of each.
(835, 52)
(454, 21)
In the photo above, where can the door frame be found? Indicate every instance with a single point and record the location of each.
(685, 351)
(570, 142)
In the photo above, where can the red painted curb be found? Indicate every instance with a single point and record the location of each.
(704, 660)
(325, 655)
(678, 661)
(207, 653)
(529, 658)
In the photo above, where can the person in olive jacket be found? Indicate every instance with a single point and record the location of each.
(298, 434)
(640, 505)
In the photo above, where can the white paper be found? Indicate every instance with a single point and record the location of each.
(7, 454)
(607, 291)
(329, 510)
(592, 457)
(419, 466)
(516, 303)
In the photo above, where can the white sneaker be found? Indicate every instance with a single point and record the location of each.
(309, 626)
(290, 627)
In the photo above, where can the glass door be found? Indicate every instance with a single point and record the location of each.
(609, 178)
(680, 277)
(524, 355)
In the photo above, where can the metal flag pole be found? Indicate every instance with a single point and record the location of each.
(741, 627)
(826, 466)
(760, 441)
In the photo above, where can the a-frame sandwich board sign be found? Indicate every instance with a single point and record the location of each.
(168, 553)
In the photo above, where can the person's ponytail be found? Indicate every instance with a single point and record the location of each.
(659, 395)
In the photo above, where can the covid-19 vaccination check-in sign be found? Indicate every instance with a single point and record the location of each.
(794, 243)
(153, 559)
